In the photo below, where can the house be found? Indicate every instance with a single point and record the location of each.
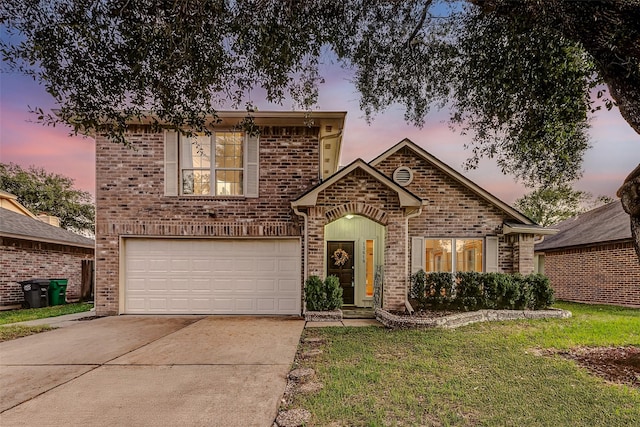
(33, 248)
(592, 259)
(233, 223)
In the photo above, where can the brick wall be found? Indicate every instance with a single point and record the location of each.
(453, 210)
(130, 198)
(606, 274)
(22, 260)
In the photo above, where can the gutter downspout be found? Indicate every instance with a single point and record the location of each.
(305, 242)
(406, 258)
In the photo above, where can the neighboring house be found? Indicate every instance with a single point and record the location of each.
(233, 224)
(32, 248)
(592, 259)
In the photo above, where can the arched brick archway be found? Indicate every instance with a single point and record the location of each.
(357, 208)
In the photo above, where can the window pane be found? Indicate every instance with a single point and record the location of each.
(196, 152)
(369, 264)
(438, 255)
(469, 255)
(228, 183)
(229, 149)
(196, 182)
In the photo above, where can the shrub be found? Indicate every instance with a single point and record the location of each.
(474, 291)
(334, 293)
(323, 296)
(510, 292)
(418, 290)
(469, 291)
(315, 294)
(439, 288)
(541, 290)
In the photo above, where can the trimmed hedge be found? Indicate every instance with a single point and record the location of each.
(323, 296)
(470, 291)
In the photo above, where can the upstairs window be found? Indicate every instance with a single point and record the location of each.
(213, 165)
(223, 164)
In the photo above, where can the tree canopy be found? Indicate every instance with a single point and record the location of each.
(45, 192)
(520, 77)
(548, 206)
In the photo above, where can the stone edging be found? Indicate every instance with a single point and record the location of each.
(323, 316)
(461, 319)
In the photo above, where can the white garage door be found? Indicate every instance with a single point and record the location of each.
(212, 276)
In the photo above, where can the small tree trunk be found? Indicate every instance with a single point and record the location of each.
(629, 194)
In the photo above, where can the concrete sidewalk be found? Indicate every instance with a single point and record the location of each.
(149, 371)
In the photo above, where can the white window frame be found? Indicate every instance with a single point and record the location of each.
(173, 184)
(212, 169)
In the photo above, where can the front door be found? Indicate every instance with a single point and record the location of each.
(340, 264)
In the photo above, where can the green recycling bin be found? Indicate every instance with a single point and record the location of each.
(58, 291)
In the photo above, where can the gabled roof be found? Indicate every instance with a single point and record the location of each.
(608, 223)
(10, 201)
(454, 175)
(19, 226)
(407, 198)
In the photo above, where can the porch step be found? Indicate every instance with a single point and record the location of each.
(357, 313)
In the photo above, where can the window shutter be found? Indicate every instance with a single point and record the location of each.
(252, 174)
(491, 254)
(170, 163)
(417, 254)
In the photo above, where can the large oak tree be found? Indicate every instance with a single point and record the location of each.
(521, 77)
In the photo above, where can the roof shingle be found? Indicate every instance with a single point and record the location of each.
(604, 224)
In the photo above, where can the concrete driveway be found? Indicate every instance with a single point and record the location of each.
(149, 371)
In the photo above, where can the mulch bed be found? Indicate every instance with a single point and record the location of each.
(616, 364)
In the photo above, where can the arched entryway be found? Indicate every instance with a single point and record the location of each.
(362, 241)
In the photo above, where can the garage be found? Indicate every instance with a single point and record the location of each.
(211, 276)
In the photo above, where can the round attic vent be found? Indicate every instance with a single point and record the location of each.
(403, 176)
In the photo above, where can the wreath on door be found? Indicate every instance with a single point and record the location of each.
(340, 257)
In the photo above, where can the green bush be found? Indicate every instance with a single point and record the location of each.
(469, 291)
(439, 287)
(334, 293)
(541, 290)
(323, 296)
(474, 291)
(418, 290)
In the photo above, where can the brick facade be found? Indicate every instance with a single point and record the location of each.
(453, 210)
(130, 198)
(131, 201)
(605, 273)
(23, 260)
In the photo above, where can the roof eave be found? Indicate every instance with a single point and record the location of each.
(524, 229)
(44, 240)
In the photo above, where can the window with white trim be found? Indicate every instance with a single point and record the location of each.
(224, 163)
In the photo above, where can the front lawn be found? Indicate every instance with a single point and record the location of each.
(18, 331)
(13, 316)
(503, 373)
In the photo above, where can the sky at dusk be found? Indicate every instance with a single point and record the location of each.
(615, 151)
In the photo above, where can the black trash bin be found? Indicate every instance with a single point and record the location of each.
(36, 293)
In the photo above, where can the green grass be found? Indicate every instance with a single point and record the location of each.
(18, 331)
(485, 374)
(13, 316)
